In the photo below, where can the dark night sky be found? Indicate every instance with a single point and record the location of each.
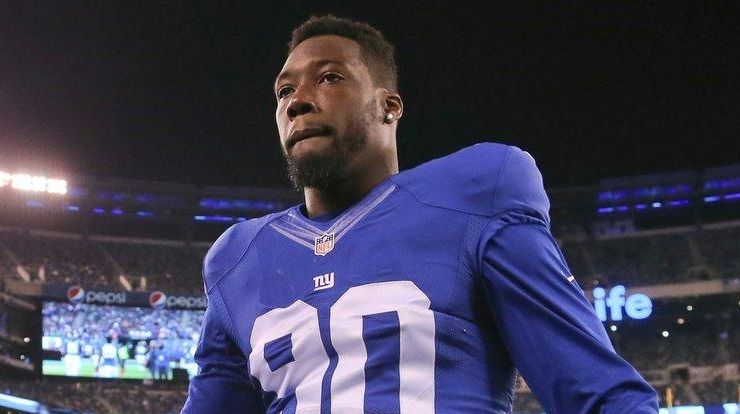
(181, 91)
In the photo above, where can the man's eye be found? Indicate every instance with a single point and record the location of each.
(284, 91)
(330, 77)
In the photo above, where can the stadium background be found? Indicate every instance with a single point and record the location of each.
(174, 103)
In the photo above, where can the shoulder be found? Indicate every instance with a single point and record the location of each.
(230, 247)
(482, 179)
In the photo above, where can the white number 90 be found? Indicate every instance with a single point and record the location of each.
(297, 328)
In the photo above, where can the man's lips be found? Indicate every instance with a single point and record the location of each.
(305, 133)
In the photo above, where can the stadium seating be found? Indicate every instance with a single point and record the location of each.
(636, 260)
(70, 260)
(166, 267)
(649, 259)
(700, 345)
(56, 260)
(720, 248)
(110, 397)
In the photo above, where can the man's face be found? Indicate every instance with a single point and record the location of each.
(326, 107)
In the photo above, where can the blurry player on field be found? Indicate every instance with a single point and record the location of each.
(72, 361)
(159, 361)
(140, 353)
(108, 364)
(123, 356)
(416, 292)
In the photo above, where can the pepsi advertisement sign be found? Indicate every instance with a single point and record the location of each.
(76, 294)
(157, 299)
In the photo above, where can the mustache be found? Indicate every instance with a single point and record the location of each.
(307, 132)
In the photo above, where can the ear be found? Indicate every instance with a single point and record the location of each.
(393, 104)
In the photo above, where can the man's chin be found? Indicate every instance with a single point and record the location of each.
(319, 169)
(306, 154)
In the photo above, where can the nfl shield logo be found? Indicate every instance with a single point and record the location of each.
(324, 244)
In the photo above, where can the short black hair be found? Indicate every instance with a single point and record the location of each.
(376, 51)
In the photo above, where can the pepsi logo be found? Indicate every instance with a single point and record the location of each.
(157, 299)
(76, 294)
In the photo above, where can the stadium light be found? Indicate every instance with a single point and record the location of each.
(38, 184)
(665, 334)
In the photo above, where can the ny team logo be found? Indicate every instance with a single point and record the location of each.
(76, 294)
(324, 244)
(157, 299)
(324, 281)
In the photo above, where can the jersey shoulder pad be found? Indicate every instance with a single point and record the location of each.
(229, 248)
(482, 179)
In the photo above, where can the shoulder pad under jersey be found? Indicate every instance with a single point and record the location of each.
(229, 248)
(482, 179)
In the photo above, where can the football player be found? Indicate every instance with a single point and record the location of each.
(414, 292)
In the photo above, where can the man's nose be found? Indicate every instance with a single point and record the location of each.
(300, 103)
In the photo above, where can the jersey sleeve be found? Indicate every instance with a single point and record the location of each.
(550, 330)
(222, 384)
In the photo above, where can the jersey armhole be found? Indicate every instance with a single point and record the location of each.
(227, 322)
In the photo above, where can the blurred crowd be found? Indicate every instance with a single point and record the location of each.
(633, 259)
(636, 259)
(93, 263)
(56, 260)
(700, 345)
(100, 396)
(157, 339)
(68, 319)
(641, 259)
(168, 268)
(717, 391)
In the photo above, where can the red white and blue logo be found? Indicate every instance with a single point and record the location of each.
(76, 294)
(323, 244)
(157, 299)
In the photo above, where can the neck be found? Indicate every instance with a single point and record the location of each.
(346, 193)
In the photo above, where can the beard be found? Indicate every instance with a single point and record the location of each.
(327, 171)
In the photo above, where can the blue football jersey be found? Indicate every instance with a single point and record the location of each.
(425, 297)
